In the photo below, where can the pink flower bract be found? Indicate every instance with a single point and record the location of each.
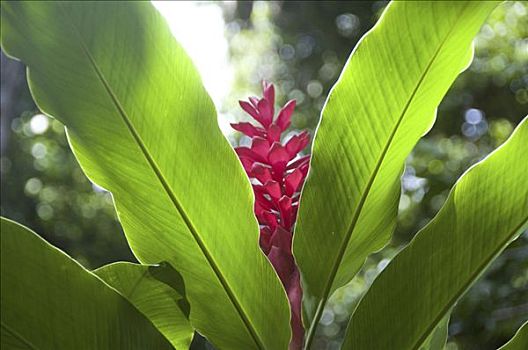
(277, 173)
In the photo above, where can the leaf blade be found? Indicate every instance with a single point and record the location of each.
(136, 115)
(349, 202)
(446, 257)
(49, 301)
(150, 290)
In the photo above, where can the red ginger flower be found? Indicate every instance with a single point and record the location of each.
(277, 175)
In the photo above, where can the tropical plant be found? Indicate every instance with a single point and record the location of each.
(142, 126)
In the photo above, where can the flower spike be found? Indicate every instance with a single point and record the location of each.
(277, 174)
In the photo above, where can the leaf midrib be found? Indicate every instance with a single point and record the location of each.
(153, 165)
(480, 268)
(366, 191)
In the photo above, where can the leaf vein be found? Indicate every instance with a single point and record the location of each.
(17, 335)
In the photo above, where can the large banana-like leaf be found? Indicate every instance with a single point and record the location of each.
(485, 211)
(142, 126)
(158, 292)
(49, 301)
(519, 340)
(383, 102)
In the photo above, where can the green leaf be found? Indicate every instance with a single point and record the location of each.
(158, 292)
(519, 340)
(485, 211)
(49, 301)
(438, 337)
(143, 127)
(383, 102)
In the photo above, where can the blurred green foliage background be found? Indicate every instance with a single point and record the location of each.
(302, 47)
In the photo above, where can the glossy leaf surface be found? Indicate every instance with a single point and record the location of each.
(485, 211)
(49, 301)
(142, 126)
(383, 102)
